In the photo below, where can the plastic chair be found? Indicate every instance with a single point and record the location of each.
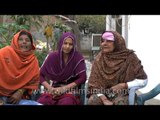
(85, 88)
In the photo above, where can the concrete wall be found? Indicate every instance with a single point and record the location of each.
(144, 38)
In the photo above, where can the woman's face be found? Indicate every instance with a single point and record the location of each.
(67, 45)
(24, 43)
(107, 46)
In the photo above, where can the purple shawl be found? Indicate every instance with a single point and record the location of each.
(53, 67)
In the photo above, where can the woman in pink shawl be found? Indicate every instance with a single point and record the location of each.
(65, 68)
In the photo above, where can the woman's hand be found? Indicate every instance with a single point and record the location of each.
(105, 100)
(58, 91)
(50, 90)
(16, 97)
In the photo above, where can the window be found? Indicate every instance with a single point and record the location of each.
(96, 41)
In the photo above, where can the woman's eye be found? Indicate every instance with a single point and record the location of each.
(102, 40)
(27, 40)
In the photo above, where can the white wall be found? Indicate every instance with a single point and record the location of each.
(144, 38)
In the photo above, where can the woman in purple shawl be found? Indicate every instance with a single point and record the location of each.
(66, 70)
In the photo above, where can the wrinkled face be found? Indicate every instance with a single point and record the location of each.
(67, 45)
(107, 46)
(24, 43)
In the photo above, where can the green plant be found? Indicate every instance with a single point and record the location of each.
(41, 55)
(7, 31)
(29, 20)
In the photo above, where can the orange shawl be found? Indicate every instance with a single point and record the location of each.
(17, 69)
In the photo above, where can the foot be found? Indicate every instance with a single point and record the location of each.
(139, 100)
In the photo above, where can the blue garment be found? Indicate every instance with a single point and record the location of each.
(21, 102)
(28, 102)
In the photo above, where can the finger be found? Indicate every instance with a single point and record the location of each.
(10, 100)
(14, 102)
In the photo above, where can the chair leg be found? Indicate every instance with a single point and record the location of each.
(132, 93)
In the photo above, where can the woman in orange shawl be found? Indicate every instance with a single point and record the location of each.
(19, 69)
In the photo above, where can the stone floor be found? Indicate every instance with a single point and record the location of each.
(152, 102)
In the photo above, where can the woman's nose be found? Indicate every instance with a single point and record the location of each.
(67, 45)
(24, 41)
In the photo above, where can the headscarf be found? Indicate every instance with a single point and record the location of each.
(18, 69)
(121, 65)
(54, 67)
